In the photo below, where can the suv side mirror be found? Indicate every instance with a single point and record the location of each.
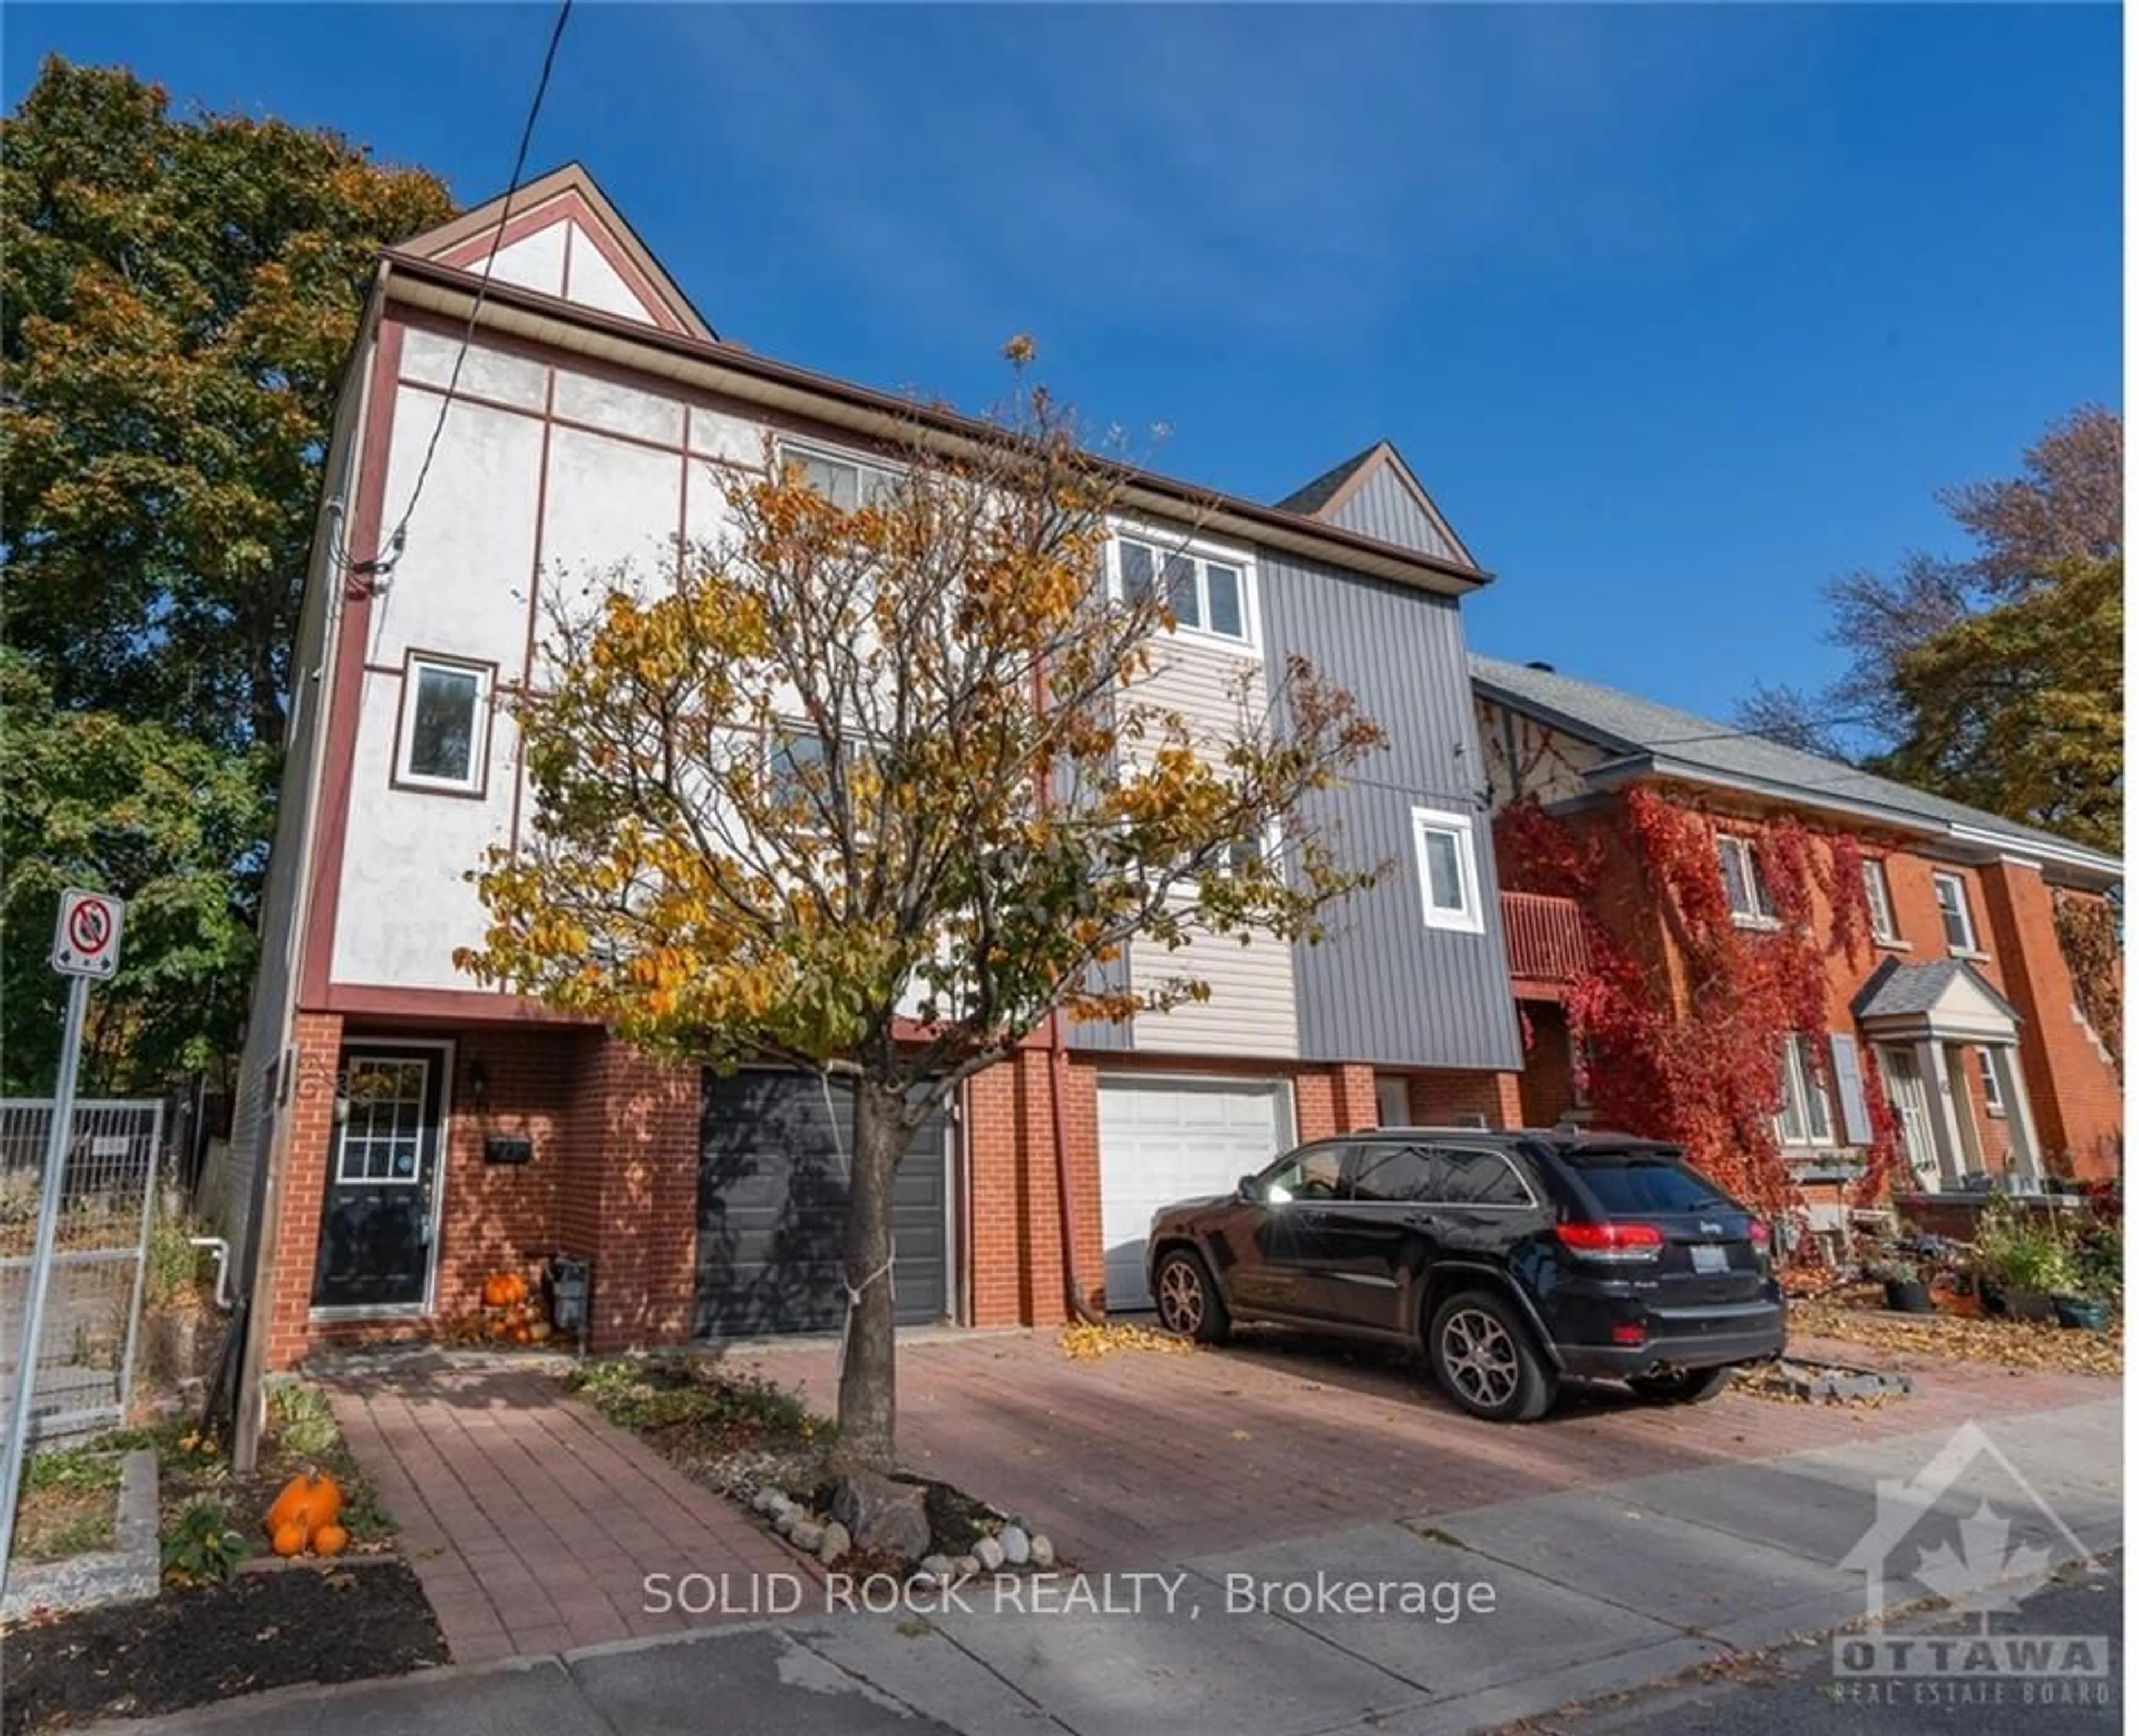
(1249, 1189)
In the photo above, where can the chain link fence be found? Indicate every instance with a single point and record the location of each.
(85, 1360)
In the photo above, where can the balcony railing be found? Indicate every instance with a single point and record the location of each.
(1545, 941)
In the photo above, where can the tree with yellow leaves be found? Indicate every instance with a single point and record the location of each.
(879, 788)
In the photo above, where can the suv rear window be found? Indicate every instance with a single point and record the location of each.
(1628, 1183)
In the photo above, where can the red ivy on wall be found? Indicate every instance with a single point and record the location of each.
(1684, 1042)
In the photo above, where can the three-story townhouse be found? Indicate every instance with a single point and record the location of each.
(533, 405)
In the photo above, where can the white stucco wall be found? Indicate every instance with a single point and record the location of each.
(463, 588)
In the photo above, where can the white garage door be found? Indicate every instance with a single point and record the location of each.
(1163, 1140)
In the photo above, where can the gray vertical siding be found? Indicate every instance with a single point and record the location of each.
(1384, 509)
(1384, 987)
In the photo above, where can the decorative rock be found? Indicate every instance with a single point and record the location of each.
(1017, 1545)
(834, 1543)
(937, 1567)
(807, 1536)
(784, 1522)
(1043, 1551)
(766, 1499)
(989, 1553)
(883, 1516)
(965, 1566)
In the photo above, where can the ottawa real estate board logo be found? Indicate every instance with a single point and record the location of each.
(1970, 1529)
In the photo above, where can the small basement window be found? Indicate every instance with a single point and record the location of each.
(444, 735)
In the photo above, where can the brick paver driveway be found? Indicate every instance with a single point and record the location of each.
(1142, 1458)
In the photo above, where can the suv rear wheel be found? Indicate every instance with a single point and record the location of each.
(1485, 1360)
(1189, 1304)
(1689, 1387)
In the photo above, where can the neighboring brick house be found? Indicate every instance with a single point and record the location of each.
(1960, 994)
(411, 1133)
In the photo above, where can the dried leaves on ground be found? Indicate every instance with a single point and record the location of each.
(2010, 1343)
(1084, 1342)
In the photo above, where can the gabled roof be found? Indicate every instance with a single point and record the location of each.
(1652, 739)
(413, 278)
(559, 233)
(1895, 989)
(1376, 492)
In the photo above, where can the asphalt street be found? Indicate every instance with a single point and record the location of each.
(1799, 1693)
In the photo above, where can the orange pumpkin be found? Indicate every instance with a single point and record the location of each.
(502, 1289)
(306, 1503)
(330, 1540)
(289, 1539)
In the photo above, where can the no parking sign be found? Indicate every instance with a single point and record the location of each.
(86, 942)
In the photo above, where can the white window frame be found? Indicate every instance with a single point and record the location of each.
(801, 452)
(1969, 948)
(404, 745)
(1762, 914)
(1803, 1088)
(1879, 900)
(1205, 555)
(1471, 918)
(1994, 1095)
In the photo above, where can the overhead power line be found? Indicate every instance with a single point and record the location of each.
(390, 548)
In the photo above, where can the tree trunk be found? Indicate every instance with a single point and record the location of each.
(868, 1407)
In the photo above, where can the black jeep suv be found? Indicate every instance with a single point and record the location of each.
(1515, 1259)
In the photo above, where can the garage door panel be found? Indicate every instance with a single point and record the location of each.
(1173, 1139)
(772, 1200)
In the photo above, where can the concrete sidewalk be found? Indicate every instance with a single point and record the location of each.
(1559, 1596)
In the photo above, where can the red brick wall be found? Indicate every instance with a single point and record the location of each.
(2077, 1098)
(502, 1217)
(1547, 1086)
(1442, 1098)
(301, 1186)
(630, 1191)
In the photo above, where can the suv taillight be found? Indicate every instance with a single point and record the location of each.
(1611, 1241)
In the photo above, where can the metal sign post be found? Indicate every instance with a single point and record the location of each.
(85, 945)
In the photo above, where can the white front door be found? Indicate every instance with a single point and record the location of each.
(1912, 1110)
(1164, 1140)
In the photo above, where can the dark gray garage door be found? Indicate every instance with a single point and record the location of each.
(772, 1202)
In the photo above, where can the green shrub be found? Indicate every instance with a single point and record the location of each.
(640, 1393)
(200, 1542)
(301, 1420)
(2015, 1251)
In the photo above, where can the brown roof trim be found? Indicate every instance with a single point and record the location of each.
(744, 374)
(567, 178)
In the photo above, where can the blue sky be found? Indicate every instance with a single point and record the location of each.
(1678, 311)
